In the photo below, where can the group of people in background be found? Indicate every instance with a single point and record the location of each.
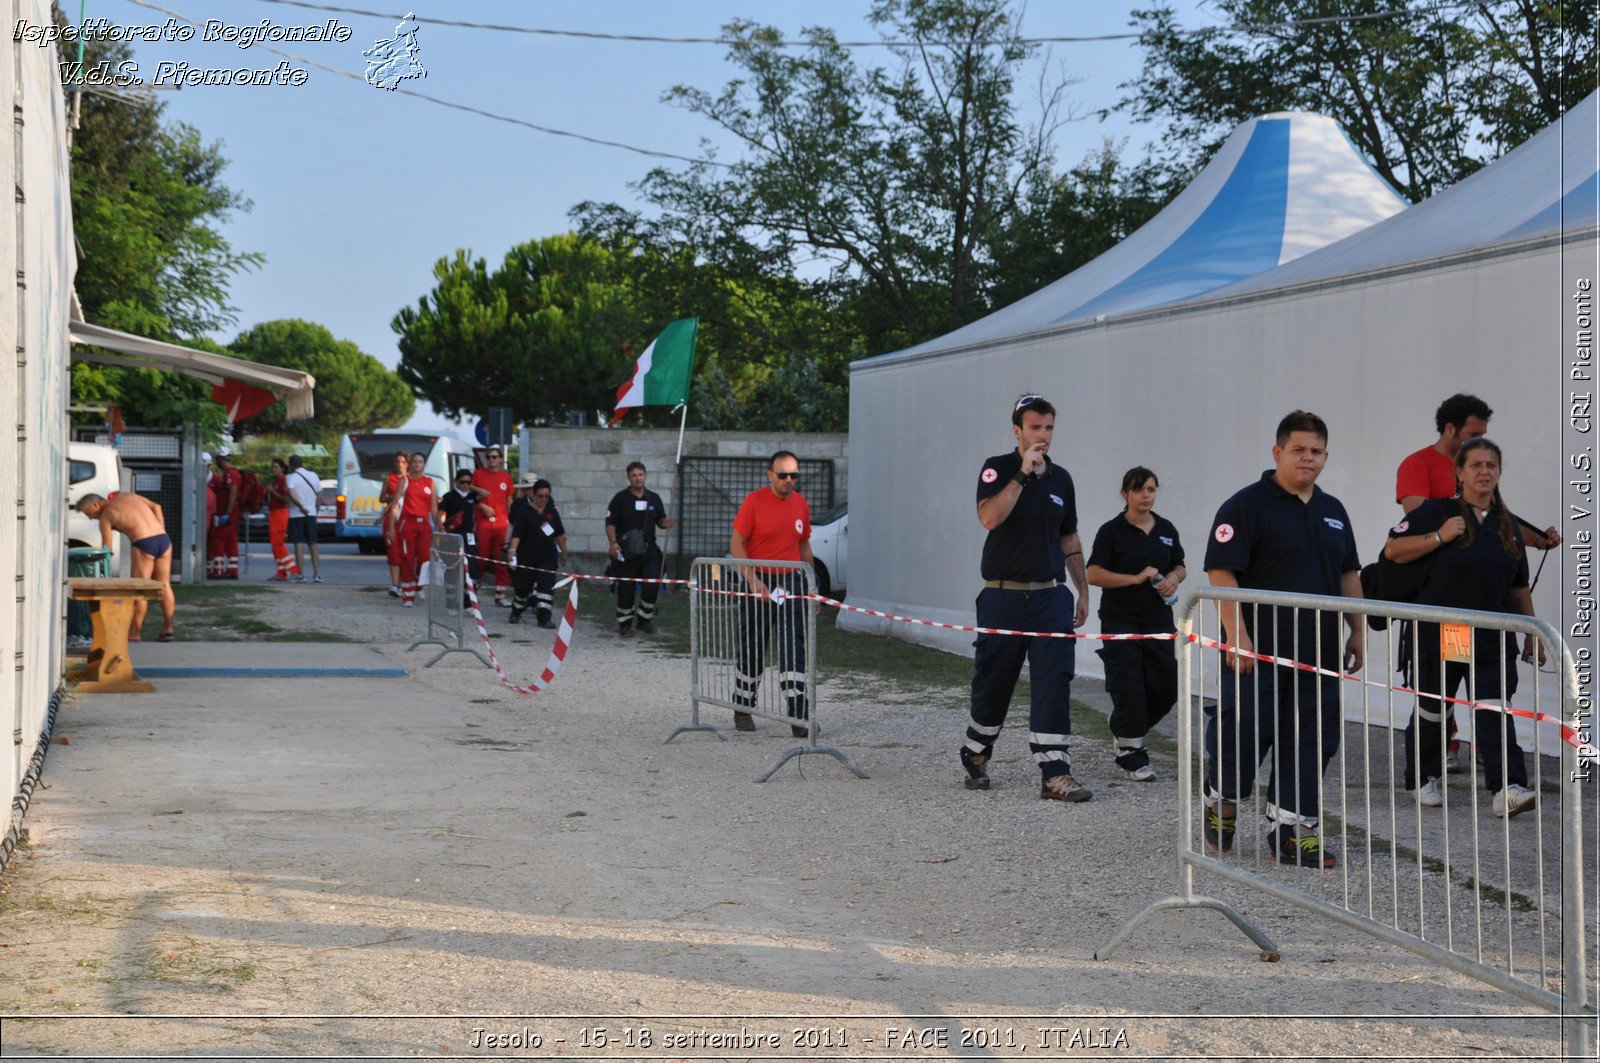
(515, 538)
(290, 497)
(1280, 533)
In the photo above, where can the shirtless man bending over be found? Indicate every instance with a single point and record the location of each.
(141, 520)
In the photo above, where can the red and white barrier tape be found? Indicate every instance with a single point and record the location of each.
(1568, 734)
(1089, 635)
(558, 654)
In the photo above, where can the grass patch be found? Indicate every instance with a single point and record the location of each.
(196, 964)
(202, 593)
(481, 742)
(228, 612)
(1493, 894)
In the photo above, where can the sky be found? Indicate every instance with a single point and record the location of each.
(358, 191)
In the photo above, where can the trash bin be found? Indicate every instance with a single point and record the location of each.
(84, 562)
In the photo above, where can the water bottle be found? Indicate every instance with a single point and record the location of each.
(1170, 599)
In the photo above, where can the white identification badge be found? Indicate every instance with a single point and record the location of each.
(472, 540)
(640, 504)
(545, 527)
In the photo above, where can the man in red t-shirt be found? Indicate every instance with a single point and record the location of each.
(493, 528)
(1431, 473)
(774, 524)
(222, 538)
(419, 515)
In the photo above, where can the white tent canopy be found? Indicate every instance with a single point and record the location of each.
(1474, 290)
(1546, 186)
(1281, 186)
(293, 386)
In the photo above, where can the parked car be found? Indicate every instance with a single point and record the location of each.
(830, 548)
(329, 505)
(92, 468)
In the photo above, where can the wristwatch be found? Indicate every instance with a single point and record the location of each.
(1020, 478)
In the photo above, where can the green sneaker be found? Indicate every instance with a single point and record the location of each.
(1221, 820)
(1305, 849)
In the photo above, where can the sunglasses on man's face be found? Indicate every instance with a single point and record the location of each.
(463, 483)
(787, 475)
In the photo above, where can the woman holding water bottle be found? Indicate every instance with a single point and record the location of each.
(1137, 562)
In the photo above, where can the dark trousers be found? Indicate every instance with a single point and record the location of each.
(1287, 715)
(1051, 662)
(765, 626)
(645, 566)
(535, 580)
(1494, 733)
(1142, 679)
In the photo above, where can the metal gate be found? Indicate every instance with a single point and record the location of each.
(753, 649)
(1436, 869)
(709, 493)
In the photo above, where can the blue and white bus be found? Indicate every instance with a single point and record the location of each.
(367, 458)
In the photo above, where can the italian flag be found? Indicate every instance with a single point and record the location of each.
(661, 375)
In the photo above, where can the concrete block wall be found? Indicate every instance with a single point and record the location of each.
(586, 466)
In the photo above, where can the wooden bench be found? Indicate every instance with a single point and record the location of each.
(109, 668)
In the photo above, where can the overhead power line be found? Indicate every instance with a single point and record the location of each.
(648, 38)
(451, 104)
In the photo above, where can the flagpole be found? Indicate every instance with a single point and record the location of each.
(677, 484)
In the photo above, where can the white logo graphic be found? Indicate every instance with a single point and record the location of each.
(989, 476)
(1057, 500)
(1224, 532)
(1402, 526)
(1164, 539)
(799, 526)
(392, 61)
(1336, 525)
(779, 595)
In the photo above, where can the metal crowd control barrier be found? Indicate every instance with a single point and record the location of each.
(447, 613)
(1450, 879)
(756, 655)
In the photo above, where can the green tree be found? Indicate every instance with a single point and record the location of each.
(556, 327)
(149, 204)
(1428, 96)
(897, 179)
(1070, 218)
(763, 334)
(355, 391)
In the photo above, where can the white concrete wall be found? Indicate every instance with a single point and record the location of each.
(36, 268)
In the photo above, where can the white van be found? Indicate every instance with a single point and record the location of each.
(365, 461)
(92, 468)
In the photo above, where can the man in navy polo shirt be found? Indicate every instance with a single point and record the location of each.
(1027, 503)
(1282, 533)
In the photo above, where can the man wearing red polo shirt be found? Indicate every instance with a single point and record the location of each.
(419, 515)
(774, 524)
(493, 529)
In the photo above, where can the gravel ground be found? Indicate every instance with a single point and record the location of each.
(267, 852)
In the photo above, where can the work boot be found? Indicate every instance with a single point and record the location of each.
(1064, 788)
(977, 768)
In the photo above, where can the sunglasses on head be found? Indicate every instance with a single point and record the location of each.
(787, 475)
(1025, 400)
